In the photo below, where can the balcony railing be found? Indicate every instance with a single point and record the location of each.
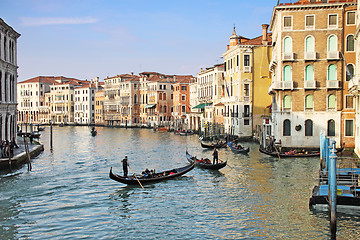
(288, 85)
(334, 84)
(234, 115)
(333, 55)
(246, 114)
(288, 56)
(310, 84)
(310, 56)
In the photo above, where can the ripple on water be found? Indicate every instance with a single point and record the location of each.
(69, 195)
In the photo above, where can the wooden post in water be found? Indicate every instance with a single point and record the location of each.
(332, 190)
(51, 138)
(27, 154)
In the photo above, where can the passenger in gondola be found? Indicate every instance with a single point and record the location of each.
(216, 156)
(125, 166)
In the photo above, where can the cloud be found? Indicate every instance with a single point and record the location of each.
(31, 21)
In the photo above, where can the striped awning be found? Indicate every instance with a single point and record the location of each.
(150, 106)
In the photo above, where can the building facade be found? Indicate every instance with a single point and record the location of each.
(308, 79)
(8, 80)
(32, 106)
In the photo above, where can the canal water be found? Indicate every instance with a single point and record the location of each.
(69, 194)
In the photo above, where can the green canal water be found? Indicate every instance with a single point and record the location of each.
(69, 194)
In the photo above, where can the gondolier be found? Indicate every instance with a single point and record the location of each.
(125, 166)
(216, 156)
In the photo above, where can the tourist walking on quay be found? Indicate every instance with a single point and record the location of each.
(216, 156)
(125, 166)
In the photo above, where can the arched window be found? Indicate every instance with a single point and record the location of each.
(164, 96)
(331, 128)
(332, 43)
(287, 128)
(164, 109)
(350, 43)
(350, 68)
(287, 102)
(309, 73)
(309, 102)
(160, 96)
(331, 101)
(287, 73)
(310, 44)
(135, 99)
(332, 72)
(287, 45)
(308, 127)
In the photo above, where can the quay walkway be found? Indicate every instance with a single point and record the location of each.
(20, 157)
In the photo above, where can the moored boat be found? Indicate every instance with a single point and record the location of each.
(290, 153)
(213, 145)
(161, 176)
(237, 148)
(205, 163)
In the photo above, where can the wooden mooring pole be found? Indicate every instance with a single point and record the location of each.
(27, 154)
(51, 138)
(332, 190)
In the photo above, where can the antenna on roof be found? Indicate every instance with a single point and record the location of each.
(278, 3)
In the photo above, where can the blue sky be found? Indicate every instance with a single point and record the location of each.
(89, 38)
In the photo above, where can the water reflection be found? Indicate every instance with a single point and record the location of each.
(69, 193)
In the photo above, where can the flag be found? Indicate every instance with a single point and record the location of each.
(346, 67)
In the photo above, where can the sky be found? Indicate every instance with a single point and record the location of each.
(85, 39)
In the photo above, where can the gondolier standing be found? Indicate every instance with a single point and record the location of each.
(216, 156)
(125, 166)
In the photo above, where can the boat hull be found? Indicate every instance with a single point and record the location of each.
(218, 166)
(133, 181)
(235, 150)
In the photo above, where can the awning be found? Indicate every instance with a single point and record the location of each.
(150, 106)
(202, 105)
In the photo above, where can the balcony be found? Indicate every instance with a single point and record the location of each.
(332, 84)
(247, 69)
(234, 115)
(333, 55)
(310, 84)
(288, 85)
(246, 99)
(309, 56)
(246, 114)
(288, 56)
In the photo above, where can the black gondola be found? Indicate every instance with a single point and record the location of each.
(241, 149)
(290, 153)
(195, 160)
(131, 180)
(212, 146)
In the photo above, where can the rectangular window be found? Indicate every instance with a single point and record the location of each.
(183, 98)
(349, 102)
(349, 128)
(310, 22)
(246, 122)
(246, 90)
(332, 21)
(246, 60)
(183, 88)
(350, 18)
(287, 23)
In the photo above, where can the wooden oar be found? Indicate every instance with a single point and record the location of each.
(135, 176)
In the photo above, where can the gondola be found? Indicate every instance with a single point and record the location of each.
(238, 150)
(197, 161)
(290, 153)
(161, 176)
(212, 146)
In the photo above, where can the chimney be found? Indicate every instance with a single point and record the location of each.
(132, 73)
(264, 36)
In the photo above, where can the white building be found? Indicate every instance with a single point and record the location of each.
(84, 104)
(31, 99)
(8, 80)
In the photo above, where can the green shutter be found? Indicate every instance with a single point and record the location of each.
(309, 73)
